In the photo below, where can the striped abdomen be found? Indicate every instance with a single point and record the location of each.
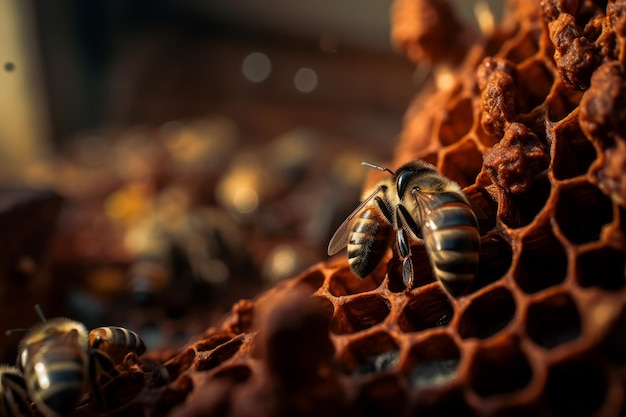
(116, 342)
(369, 241)
(450, 232)
(56, 376)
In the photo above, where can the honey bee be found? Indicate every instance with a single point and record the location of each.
(416, 202)
(14, 401)
(53, 357)
(60, 359)
(113, 343)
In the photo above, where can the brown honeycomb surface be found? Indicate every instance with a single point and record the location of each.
(533, 125)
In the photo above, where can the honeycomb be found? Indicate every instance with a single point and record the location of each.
(533, 125)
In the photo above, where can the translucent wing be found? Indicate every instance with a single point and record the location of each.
(428, 202)
(478, 211)
(341, 236)
(478, 199)
(432, 216)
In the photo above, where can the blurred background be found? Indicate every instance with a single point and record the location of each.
(75, 65)
(160, 159)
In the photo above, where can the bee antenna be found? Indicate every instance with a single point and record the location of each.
(12, 331)
(39, 312)
(367, 164)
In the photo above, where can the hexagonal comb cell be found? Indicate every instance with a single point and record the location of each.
(583, 201)
(376, 352)
(359, 314)
(614, 345)
(602, 267)
(542, 262)
(534, 83)
(237, 373)
(433, 362)
(522, 47)
(219, 355)
(553, 321)
(575, 388)
(496, 256)
(457, 121)
(462, 162)
(383, 395)
(446, 403)
(326, 307)
(485, 138)
(314, 279)
(344, 282)
(212, 342)
(574, 152)
(562, 102)
(500, 369)
(426, 309)
(487, 314)
(518, 210)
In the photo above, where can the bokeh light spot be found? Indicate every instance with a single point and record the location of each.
(305, 80)
(245, 200)
(283, 261)
(256, 67)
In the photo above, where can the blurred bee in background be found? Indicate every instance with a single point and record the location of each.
(150, 246)
(14, 401)
(109, 345)
(259, 177)
(59, 359)
(184, 252)
(416, 202)
(53, 357)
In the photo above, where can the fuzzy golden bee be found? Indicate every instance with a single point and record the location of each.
(60, 359)
(416, 202)
(114, 342)
(53, 358)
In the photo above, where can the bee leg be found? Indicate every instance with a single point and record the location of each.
(99, 365)
(17, 405)
(408, 220)
(404, 250)
(384, 209)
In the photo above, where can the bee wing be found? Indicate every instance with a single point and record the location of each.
(340, 238)
(479, 212)
(427, 202)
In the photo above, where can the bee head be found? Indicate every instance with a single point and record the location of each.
(53, 329)
(417, 173)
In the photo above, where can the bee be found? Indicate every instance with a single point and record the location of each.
(14, 401)
(54, 360)
(113, 343)
(416, 202)
(59, 359)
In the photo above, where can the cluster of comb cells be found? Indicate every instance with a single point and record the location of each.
(530, 118)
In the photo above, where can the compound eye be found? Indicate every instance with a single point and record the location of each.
(402, 182)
